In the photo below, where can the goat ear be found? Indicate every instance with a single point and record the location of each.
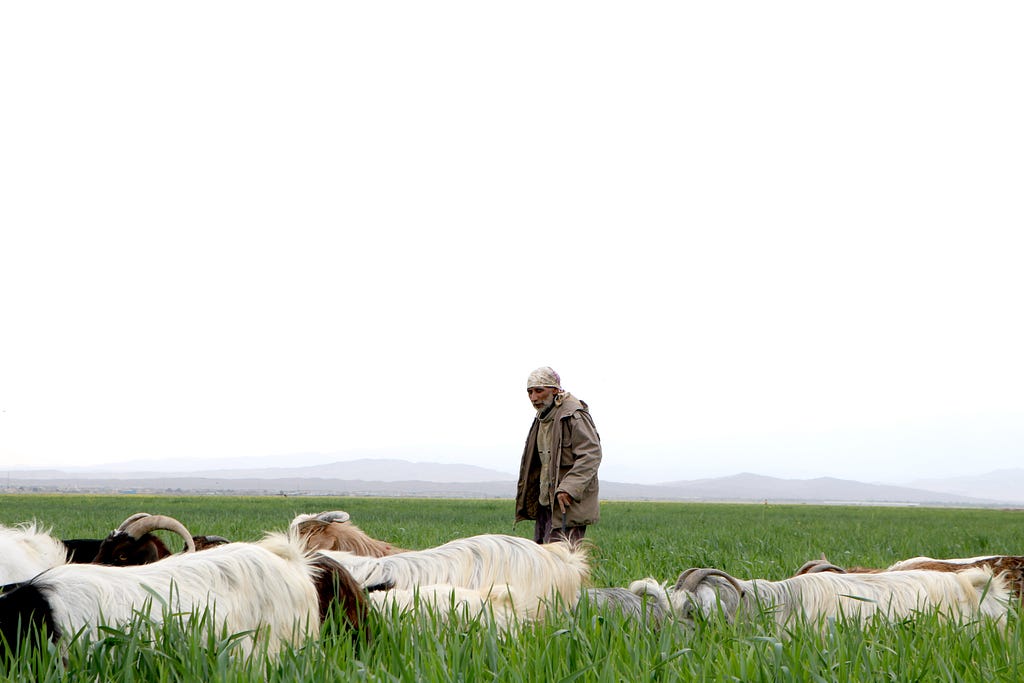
(336, 588)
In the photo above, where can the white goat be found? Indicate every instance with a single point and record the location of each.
(272, 590)
(533, 573)
(818, 596)
(648, 608)
(26, 550)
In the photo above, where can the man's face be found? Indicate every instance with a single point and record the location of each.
(541, 396)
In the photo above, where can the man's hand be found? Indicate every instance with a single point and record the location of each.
(564, 500)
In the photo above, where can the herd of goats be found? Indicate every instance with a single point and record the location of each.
(281, 588)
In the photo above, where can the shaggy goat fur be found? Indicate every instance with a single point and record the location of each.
(817, 596)
(1009, 567)
(639, 605)
(323, 535)
(272, 588)
(534, 573)
(26, 550)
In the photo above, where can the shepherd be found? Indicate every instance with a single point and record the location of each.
(558, 486)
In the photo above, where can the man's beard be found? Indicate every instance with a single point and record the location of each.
(546, 406)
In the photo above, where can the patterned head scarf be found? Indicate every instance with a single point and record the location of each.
(544, 377)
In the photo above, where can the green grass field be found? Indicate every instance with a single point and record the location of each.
(634, 540)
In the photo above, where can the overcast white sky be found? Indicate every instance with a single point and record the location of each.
(782, 238)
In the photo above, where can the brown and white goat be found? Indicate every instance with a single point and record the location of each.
(1009, 567)
(333, 531)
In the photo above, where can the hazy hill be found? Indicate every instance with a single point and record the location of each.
(369, 477)
(364, 469)
(748, 486)
(1005, 484)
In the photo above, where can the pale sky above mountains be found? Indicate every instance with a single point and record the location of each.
(772, 238)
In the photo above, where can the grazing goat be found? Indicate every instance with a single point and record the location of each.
(640, 605)
(133, 542)
(333, 531)
(1010, 567)
(533, 573)
(273, 589)
(816, 596)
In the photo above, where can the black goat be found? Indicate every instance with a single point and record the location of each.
(133, 543)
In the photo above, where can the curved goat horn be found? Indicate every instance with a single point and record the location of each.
(807, 566)
(691, 578)
(333, 516)
(147, 523)
(817, 566)
(126, 523)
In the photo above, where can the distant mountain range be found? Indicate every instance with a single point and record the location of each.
(1007, 484)
(389, 477)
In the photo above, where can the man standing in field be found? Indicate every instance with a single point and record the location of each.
(558, 474)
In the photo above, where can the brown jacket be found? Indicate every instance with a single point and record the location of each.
(576, 448)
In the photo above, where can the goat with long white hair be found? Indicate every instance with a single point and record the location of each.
(272, 589)
(534, 574)
(816, 596)
(649, 609)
